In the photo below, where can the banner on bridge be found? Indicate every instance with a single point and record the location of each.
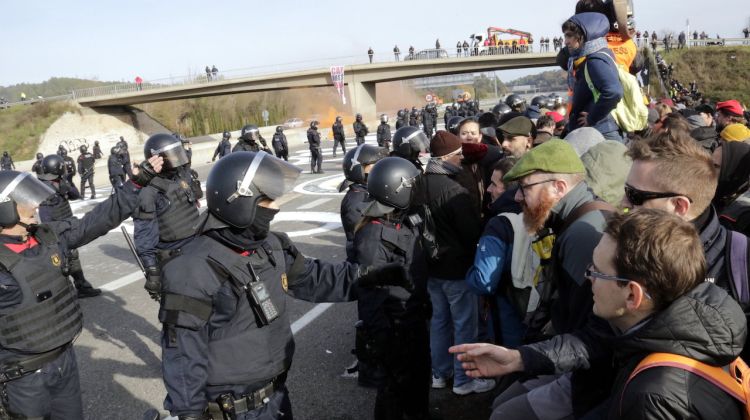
(337, 77)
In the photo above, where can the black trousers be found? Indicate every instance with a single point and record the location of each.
(336, 142)
(90, 179)
(316, 160)
(53, 392)
(282, 154)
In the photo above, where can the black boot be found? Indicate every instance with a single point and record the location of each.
(84, 288)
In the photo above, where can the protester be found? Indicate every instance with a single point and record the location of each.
(517, 136)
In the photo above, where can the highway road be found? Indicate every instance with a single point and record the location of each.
(119, 354)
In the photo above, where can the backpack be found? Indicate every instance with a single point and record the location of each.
(631, 113)
(735, 381)
(738, 266)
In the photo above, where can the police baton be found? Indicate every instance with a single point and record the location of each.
(131, 245)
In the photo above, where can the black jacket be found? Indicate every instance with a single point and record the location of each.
(313, 138)
(360, 129)
(351, 214)
(457, 225)
(338, 132)
(706, 325)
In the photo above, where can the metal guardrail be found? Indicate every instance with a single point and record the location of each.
(708, 42)
(36, 100)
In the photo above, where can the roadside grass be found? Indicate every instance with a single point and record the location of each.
(21, 127)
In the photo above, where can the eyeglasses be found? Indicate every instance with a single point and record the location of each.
(590, 274)
(523, 187)
(637, 197)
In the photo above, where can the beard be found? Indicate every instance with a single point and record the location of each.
(535, 218)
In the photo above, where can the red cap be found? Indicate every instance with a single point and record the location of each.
(556, 116)
(731, 106)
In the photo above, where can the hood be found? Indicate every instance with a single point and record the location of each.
(594, 25)
(707, 137)
(706, 324)
(607, 169)
(734, 172)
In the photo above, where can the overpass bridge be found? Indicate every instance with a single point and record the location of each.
(359, 79)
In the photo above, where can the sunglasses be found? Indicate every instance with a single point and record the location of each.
(591, 274)
(637, 197)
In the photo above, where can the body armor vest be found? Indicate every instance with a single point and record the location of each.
(240, 352)
(58, 205)
(49, 315)
(180, 220)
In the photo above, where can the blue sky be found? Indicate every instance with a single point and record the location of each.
(156, 39)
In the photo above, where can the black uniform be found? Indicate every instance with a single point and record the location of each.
(245, 144)
(214, 346)
(384, 135)
(360, 131)
(394, 321)
(351, 215)
(400, 121)
(116, 170)
(97, 151)
(122, 145)
(6, 163)
(339, 137)
(428, 122)
(37, 166)
(37, 335)
(280, 146)
(166, 217)
(413, 121)
(316, 154)
(55, 209)
(222, 149)
(86, 163)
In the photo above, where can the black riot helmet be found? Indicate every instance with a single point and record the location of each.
(409, 142)
(391, 184)
(114, 151)
(239, 181)
(383, 118)
(62, 152)
(279, 129)
(356, 159)
(83, 148)
(226, 135)
(359, 117)
(453, 123)
(338, 119)
(96, 142)
(19, 189)
(53, 167)
(500, 109)
(39, 156)
(540, 101)
(515, 102)
(400, 113)
(168, 147)
(5, 153)
(314, 124)
(250, 132)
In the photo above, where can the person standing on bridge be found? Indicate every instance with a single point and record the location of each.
(215, 72)
(339, 136)
(279, 144)
(138, 83)
(437, 44)
(316, 153)
(167, 214)
(458, 49)
(40, 316)
(208, 73)
(370, 53)
(411, 52)
(86, 163)
(396, 52)
(56, 208)
(224, 147)
(360, 129)
(6, 162)
(227, 344)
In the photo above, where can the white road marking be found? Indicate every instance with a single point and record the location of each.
(122, 281)
(310, 316)
(327, 184)
(314, 203)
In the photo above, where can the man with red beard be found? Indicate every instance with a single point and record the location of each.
(553, 194)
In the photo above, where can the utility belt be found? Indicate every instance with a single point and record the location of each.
(228, 407)
(22, 368)
(164, 255)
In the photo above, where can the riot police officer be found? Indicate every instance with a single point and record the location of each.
(167, 214)
(500, 109)
(428, 121)
(37, 166)
(115, 167)
(394, 319)
(224, 297)
(384, 132)
(38, 368)
(122, 145)
(339, 137)
(86, 163)
(409, 143)
(70, 171)
(97, 150)
(453, 123)
(316, 153)
(224, 147)
(6, 162)
(248, 141)
(57, 208)
(360, 129)
(447, 115)
(279, 144)
(516, 103)
(400, 119)
(414, 117)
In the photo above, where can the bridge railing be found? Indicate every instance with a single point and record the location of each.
(30, 101)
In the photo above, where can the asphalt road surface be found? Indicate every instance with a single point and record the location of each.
(119, 354)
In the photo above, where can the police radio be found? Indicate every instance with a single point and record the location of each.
(260, 301)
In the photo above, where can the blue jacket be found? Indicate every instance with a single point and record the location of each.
(603, 75)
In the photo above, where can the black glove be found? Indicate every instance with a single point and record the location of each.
(153, 282)
(391, 274)
(145, 174)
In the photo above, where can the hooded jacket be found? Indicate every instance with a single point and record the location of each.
(734, 173)
(603, 74)
(607, 168)
(707, 325)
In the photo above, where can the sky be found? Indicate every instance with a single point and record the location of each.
(117, 41)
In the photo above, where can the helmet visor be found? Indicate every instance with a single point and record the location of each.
(273, 177)
(174, 155)
(26, 191)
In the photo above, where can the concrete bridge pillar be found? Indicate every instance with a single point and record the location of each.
(362, 99)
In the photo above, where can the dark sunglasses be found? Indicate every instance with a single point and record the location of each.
(637, 197)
